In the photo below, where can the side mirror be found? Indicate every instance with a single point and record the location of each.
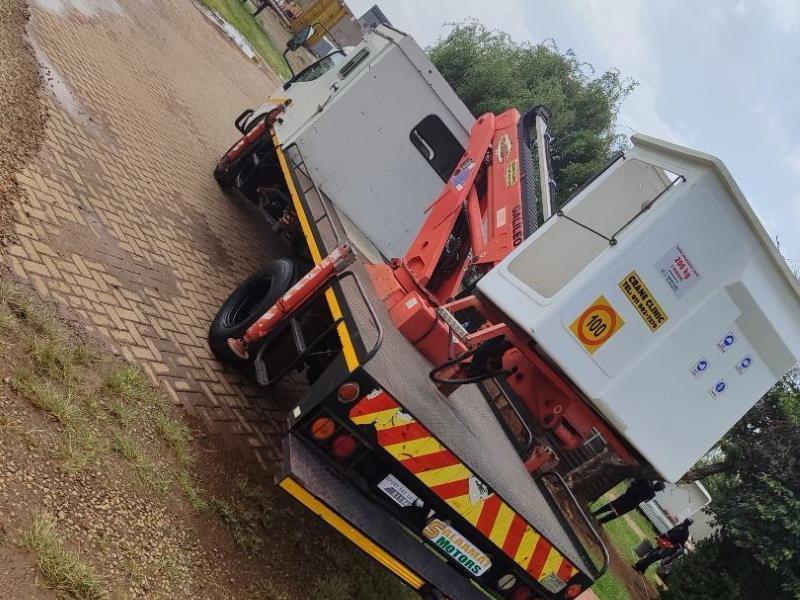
(300, 38)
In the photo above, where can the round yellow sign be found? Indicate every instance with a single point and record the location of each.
(595, 325)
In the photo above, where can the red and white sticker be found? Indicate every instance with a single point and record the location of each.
(678, 271)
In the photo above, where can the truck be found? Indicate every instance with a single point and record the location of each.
(461, 335)
(674, 504)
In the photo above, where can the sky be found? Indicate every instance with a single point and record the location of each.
(721, 76)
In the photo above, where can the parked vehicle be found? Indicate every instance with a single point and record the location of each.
(460, 334)
(676, 503)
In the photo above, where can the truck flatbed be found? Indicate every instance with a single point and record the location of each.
(464, 423)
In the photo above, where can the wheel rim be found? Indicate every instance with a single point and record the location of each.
(240, 311)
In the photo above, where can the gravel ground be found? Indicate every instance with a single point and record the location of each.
(22, 114)
(142, 543)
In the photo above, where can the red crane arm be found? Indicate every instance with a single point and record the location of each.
(475, 223)
(484, 191)
(425, 253)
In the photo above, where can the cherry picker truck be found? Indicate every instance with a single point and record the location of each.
(444, 384)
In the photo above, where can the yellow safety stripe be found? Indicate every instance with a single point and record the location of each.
(351, 533)
(444, 474)
(525, 550)
(502, 524)
(350, 357)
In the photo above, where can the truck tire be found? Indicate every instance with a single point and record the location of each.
(246, 304)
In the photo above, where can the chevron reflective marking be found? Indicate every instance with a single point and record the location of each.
(527, 544)
(383, 419)
(410, 443)
(457, 472)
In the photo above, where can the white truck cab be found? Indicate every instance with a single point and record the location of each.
(377, 126)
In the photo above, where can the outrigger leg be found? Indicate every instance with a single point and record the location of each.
(333, 264)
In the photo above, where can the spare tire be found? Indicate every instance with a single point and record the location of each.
(246, 304)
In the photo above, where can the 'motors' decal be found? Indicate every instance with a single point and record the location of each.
(439, 469)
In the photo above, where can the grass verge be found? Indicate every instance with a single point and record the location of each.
(63, 570)
(608, 587)
(625, 539)
(104, 416)
(239, 522)
(623, 536)
(239, 15)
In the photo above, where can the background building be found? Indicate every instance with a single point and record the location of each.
(374, 17)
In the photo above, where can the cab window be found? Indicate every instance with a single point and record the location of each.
(438, 145)
(319, 68)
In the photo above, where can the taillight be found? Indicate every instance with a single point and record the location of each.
(343, 447)
(573, 591)
(522, 593)
(348, 392)
(322, 429)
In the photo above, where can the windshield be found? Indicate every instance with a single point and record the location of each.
(319, 68)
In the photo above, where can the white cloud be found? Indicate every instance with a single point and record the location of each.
(619, 33)
(797, 210)
(785, 13)
(793, 160)
(89, 8)
(740, 9)
(639, 114)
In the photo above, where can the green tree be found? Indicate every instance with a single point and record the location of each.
(717, 570)
(755, 484)
(491, 72)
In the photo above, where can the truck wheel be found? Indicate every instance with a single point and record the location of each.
(246, 304)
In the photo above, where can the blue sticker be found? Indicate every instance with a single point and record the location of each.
(726, 341)
(461, 174)
(744, 364)
(718, 388)
(700, 367)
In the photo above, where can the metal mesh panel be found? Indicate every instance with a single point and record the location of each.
(530, 210)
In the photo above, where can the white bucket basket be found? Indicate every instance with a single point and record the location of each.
(659, 293)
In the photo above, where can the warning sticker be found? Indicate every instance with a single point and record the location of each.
(596, 325)
(503, 147)
(700, 367)
(744, 364)
(392, 487)
(643, 301)
(512, 173)
(678, 271)
(716, 390)
(726, 341)
(461, 174)
(500, 218)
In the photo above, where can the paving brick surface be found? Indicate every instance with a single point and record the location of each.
(121, 221)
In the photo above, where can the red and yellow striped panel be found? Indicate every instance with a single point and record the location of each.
(441, 471)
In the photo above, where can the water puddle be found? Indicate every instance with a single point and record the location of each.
(60, 90)
(88, 8)
(229, 30)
